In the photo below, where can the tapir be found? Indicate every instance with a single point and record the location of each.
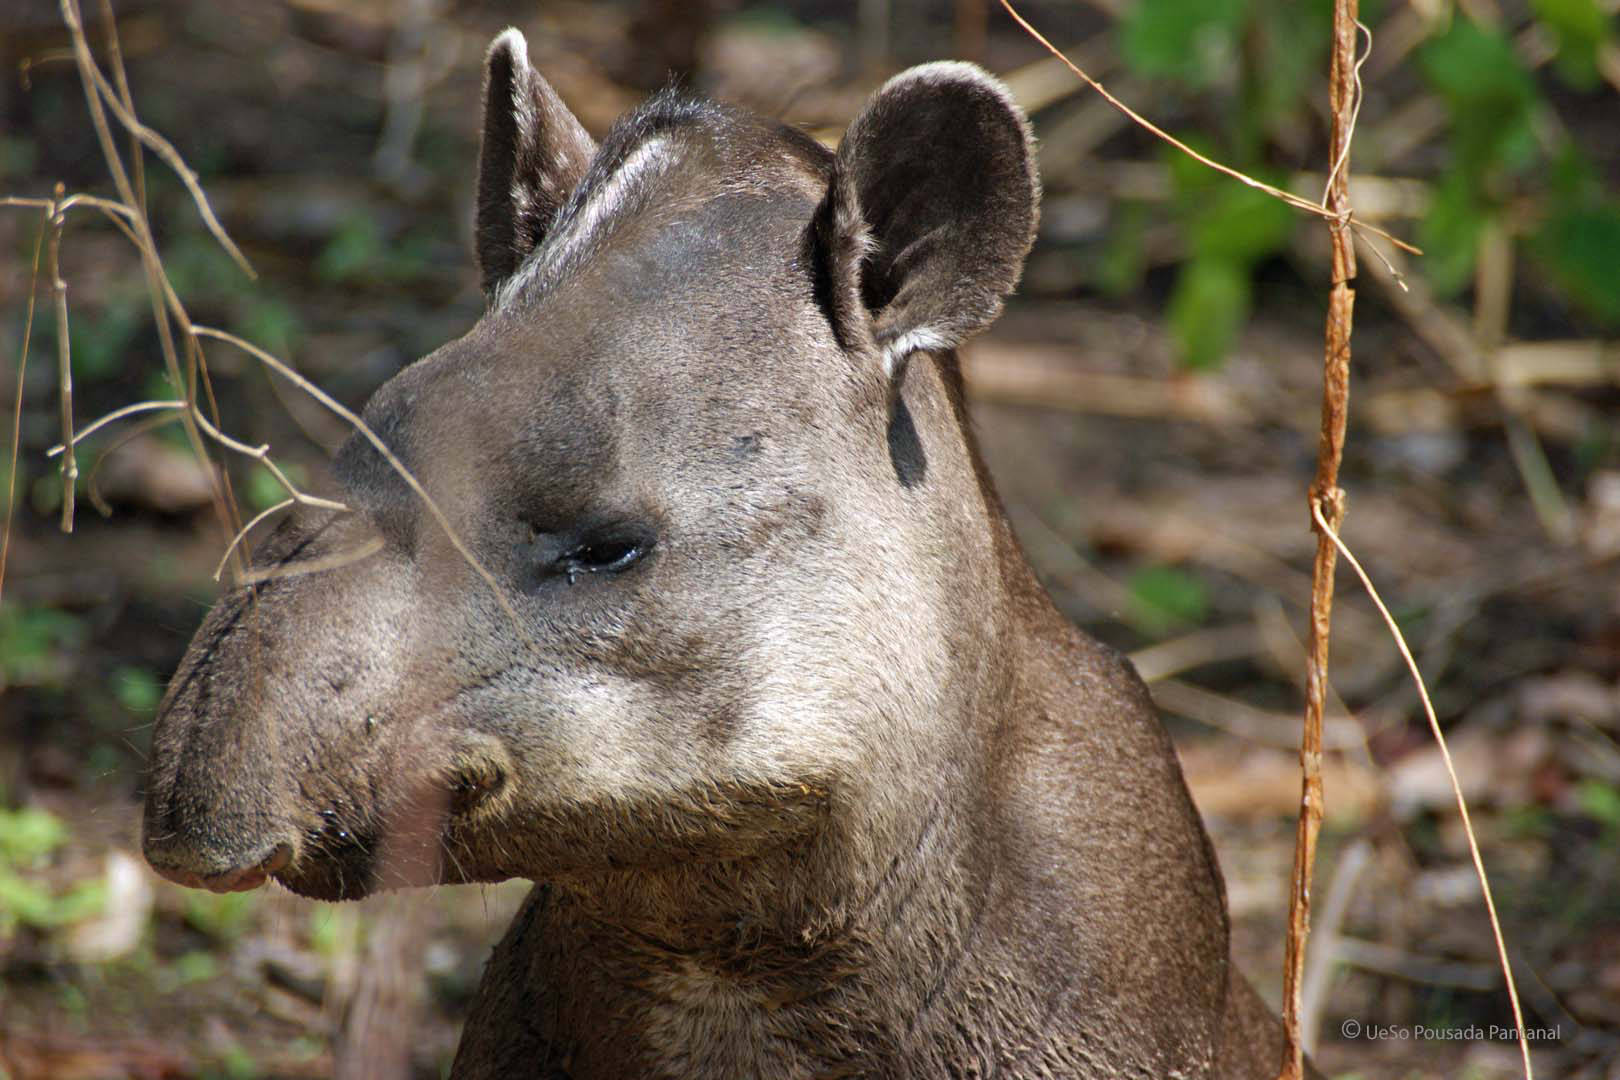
(699, 610)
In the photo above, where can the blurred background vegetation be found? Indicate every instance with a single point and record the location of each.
(1148, 403)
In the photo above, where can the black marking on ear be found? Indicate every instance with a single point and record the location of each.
(905, 448)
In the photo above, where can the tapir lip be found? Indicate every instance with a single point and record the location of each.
(249, 875)
(346, 876)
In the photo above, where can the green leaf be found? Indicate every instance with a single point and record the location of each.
(1600, 801)
(1241, 224)
(353, 253)
(83, 901)
(1582, 29)
(136, 689)
(38, 645)
(1490, 96)
(1164, 598)
(1581, 249)
(1285, 52)
(1472, 65)
(28, 834)
(1572, 179)
(195, 966)
(1189, 178)
(1119, 271)
(1449, 234)
(222, 916)
(22, 901)
(1209, 305)
(1192, 41)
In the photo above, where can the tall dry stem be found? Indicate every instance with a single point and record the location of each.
(1327, 499)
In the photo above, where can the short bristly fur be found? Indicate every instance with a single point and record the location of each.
(813, 777)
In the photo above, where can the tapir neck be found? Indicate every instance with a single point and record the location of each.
(770, 972)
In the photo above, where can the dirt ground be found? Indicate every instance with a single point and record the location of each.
(1165, 509)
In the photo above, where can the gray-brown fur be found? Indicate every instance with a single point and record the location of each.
(814, 779)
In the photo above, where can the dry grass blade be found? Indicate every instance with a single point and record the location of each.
(1451, 773)
(120, 213)
(237, 539)
(64, 359)
(1342, 161)
(16, 409)
(132, 220)
(97, 84)
(115, 54)
(113, 417)
(261, 454)
(91, 487)
(335, 561)
(1352, 863)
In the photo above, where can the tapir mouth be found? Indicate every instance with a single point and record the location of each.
(355, 865)
(344, 874)
(415, 845)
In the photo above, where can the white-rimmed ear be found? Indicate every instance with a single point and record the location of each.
(533, 154)
(930, 211)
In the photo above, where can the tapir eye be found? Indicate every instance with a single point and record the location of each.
(601, 556)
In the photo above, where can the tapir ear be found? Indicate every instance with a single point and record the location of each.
(533, 155)
(930, 210)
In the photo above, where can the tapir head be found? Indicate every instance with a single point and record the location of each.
(694, 561)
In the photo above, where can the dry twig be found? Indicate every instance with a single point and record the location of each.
(139, 230)
(128, 214)
(381, 447)
(64, 359)
(1327, 504)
